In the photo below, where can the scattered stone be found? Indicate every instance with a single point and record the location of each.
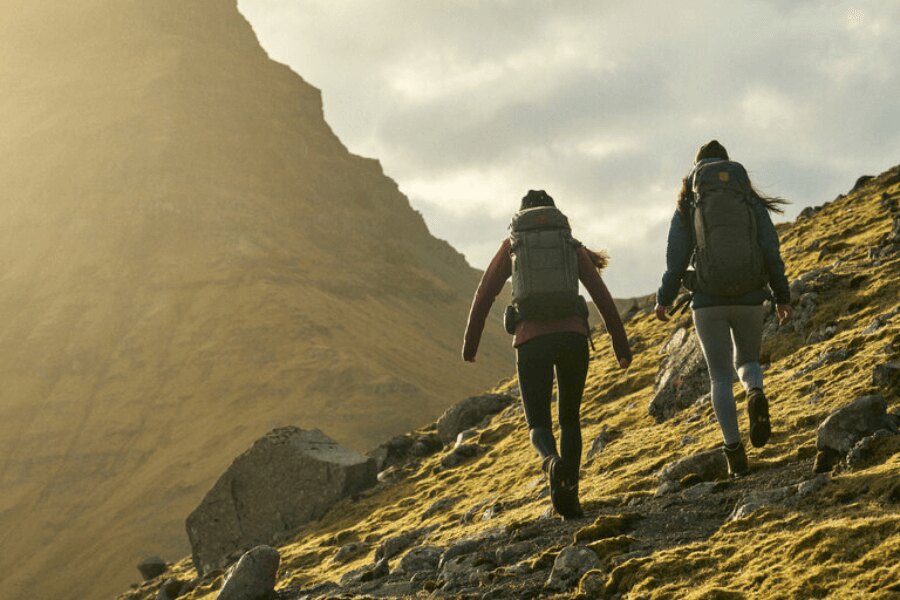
(880, 321)
(253, 576)
(513, 553)
(758, 499)
(845, 427)
(460, 548)
(825, 358)
(887, 375)
(493, 511)
(864, 450)
(469, 413)
(667, 487)
(571, 563)
(688, 440)
(826, 332)
(426, 444)
(811, 486)
(592, 584)
(423, 558)
(441, 506)
(170, 589)
(600, 442)
(606, 526)
(681, 378)
(460, 454)
(699, 491)
(464, 436)
(287, 478)
(152, 566)
(350, 552)
(396, 544)
(708, 466)
(604, 549)
(390, 475)
(367, 573)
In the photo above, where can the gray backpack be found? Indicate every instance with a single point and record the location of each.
(544, 265)
(728, 258)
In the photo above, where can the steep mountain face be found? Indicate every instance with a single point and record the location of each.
(663, 520)
(188, 258)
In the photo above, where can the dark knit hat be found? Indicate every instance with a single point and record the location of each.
(711, 149)
(536, 198)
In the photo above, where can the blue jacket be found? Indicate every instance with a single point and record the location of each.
(680, 249)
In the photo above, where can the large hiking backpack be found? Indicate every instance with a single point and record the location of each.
(544, 265)
(728, 258)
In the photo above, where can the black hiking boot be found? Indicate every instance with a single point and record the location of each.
(737, 460)
(553, 467)
(758, 411)
(571, 503)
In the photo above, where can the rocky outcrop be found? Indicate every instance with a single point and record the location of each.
(253, 577)
(289, 477)
(682, 378)
(840, 432)
(470, 412)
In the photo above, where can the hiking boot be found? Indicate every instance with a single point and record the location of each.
(570, 503)
(758, 411)
(553, 467)
(737, 460)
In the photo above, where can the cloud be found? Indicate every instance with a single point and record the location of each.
(470, 103)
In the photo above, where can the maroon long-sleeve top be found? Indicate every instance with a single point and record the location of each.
(500, 270)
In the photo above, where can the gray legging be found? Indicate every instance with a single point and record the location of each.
(721, 330)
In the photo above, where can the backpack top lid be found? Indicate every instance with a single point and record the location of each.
(714, 174)
(540, 217)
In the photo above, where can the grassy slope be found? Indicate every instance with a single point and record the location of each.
(840, 542)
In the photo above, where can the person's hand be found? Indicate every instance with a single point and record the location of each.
(784, 312)
(661, 312)
(624, 362)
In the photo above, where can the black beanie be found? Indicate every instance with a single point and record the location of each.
(536, 198)
(711, 149)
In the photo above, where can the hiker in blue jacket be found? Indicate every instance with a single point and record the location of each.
(737, 259)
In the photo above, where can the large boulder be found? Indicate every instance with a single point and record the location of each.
(843, 428)
(469, 413)
(682, 377)
(287, 478)
(253, 577)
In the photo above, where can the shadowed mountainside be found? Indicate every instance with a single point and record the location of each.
(189, 257)
(478, 527)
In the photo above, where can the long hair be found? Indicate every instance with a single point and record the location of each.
(600, 258)
(713, 149)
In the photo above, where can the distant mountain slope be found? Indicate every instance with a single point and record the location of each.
(189, 257)
(780, 532)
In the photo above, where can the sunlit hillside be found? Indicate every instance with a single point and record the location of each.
(797, 536)
(188, 258)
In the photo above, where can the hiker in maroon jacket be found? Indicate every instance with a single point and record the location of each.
(541, 345)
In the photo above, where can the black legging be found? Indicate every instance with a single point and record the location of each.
(535, 360)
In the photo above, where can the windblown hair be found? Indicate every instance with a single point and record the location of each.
(600, 258)
(713, 149)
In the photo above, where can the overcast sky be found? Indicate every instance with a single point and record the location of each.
(468, 104)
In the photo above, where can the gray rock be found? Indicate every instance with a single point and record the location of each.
(460, 548)
(887, 375)
(681, 378)
(465, 436)
(152, 566)
(708, 466)
(468, 413)
(695, 492)
(379, 570)
(758, 499)
(253, 577)
(846, 426)
(667, 487)
(441, 506)
(687, 440)
(600, 442)
(513, 552)
(811, 486)
(862, 450)
(396, 544)
(422, 558)
(395, 589)
(460, 454)
(350, 552)
(570, 564)
(170, 589)
(287, 478)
